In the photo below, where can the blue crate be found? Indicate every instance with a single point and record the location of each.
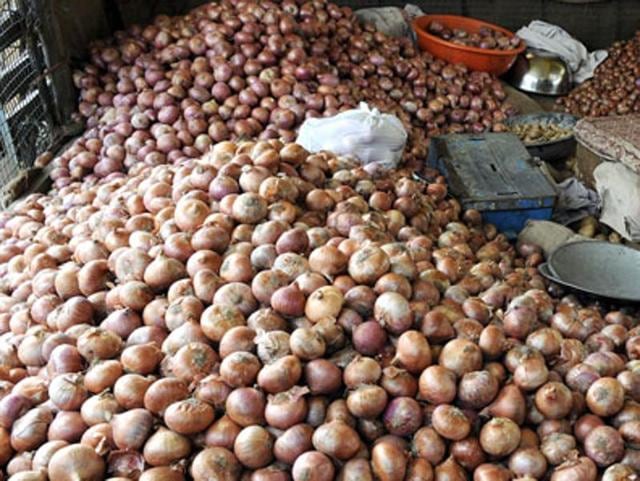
(494, 174)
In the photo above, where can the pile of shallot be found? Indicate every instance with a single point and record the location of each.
(486, 38)
(615, 87)
(264, 314)
(245, 69)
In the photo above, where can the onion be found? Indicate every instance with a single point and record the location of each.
(165, 447)
(368, 264)
(468, 453)
(30, 430)
(323, 302)
(438, 385)
(528, 462)
(359, 469)
(188, 416)
(132, 428)
(554, 400)
(604, 445)
(461, 356)
(413, 351)
(293, 442)
(75, 462)
(393, 312)
(369, 338)
(491, 472)
(556, 447)
(388, 462)
(499, 437)
(164, 392)
(254, 447)
(222, 433)
(403, 416)
(312, 466)
(100, 408)
(286, 409)
(362, 370)
(218, 319)
(193, 361)
(605, 397)
(240, 369)
(280, 375)
(581, 468)
(450, 422)
(336, 439)
(450, 470)
(215, 463)
(12, 407)
(245, 406)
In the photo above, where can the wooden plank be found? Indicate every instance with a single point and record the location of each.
(57, 61)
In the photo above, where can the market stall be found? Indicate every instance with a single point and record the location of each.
(291, 244)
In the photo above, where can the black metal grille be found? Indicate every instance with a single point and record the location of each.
(26, 107)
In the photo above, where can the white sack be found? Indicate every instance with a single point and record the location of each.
(551, 38)
(547, 235)
(618, 187)
(368, 134)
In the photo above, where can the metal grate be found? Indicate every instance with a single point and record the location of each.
(26, 106)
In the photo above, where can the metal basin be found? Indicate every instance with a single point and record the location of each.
(541, 73)
(557, 149)
(598, 268)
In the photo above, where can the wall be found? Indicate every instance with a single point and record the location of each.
(597, 24)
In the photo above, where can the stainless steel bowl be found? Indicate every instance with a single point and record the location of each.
(557, 149)
(541, 73)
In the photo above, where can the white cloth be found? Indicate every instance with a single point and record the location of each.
(367, 134)
(575, 202)
(618, 187)
(551, 38)
(393, 21)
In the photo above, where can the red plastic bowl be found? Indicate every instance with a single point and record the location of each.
(496, 62)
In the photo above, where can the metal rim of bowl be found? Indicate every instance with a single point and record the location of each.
(547, 273)
(559, 251)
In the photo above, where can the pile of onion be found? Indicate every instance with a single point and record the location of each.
(615, 86)
(238, 70)
(265, 313)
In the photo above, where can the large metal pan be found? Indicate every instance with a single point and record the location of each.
(599, 268)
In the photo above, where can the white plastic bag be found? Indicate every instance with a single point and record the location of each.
(368, 134)
(618, 187)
